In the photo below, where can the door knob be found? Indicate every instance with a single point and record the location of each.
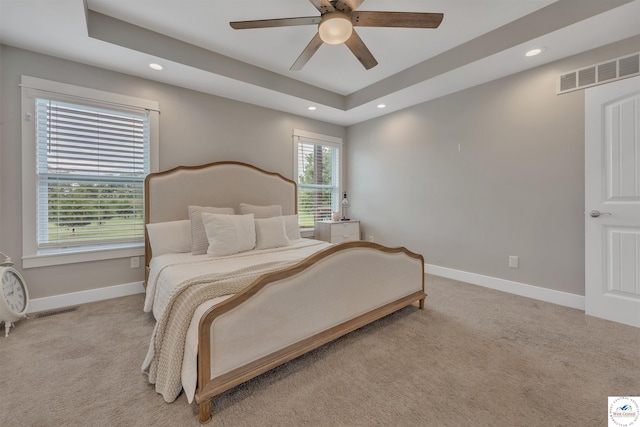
(596, 214)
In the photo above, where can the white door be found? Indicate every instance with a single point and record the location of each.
(612, 201)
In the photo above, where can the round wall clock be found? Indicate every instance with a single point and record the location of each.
(14, 298)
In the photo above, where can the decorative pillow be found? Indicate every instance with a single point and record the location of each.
(261, 211)
(171, 237)
(199, 242)
(292, 227)
(271, 233)
(229, 234)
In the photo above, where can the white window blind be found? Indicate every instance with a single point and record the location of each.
(91, 165)
(318, 178)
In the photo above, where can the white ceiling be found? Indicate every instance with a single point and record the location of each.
(478, 41)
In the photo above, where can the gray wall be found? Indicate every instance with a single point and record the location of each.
(195, 128)
(2, 108)
(516, 187)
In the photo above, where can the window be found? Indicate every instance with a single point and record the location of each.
(318, 170)
(91, 157)
(91, 165)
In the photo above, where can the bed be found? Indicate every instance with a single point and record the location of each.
(234, 312)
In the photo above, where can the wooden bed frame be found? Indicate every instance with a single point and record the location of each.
(287, 313)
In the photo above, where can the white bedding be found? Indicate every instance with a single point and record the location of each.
(169, 270)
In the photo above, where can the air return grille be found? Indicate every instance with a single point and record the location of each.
(604, 72)
(56, 312)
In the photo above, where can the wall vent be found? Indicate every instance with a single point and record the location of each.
(605, 72)
(56, 312)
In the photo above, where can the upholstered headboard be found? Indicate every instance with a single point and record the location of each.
(222, 184)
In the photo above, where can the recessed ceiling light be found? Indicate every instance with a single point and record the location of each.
(155, 66)
(312, 108)
(534, 52)
(381, 105)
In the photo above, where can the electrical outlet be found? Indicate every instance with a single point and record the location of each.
(371, 237)
(514, 261)
(135, 262)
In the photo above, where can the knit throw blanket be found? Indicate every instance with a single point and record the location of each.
(166, 350)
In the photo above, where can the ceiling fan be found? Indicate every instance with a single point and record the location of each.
(335, 25)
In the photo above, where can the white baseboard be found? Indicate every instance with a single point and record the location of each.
(536, 292)
(83, 297)
(543, 294)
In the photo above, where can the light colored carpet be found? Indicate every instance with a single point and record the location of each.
(474, 357)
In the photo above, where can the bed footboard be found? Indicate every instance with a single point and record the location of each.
(287, 313)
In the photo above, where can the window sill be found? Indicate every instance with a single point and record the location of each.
(73, 256)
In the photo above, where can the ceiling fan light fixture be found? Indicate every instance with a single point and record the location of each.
(335, 28)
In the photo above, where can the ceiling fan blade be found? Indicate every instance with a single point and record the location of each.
(307, 53)
(396, 19)
(360, 50)
(347, 6)
(323, 6)
(282, 22)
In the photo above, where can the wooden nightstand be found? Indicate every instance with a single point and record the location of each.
(337, 231)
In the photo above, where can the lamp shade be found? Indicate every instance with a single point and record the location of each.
(335, 28)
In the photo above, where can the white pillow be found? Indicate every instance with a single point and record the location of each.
(271, 233)
(261, 211)
(170, 237)
(229, 234)
(199, 242)
(292, 227)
